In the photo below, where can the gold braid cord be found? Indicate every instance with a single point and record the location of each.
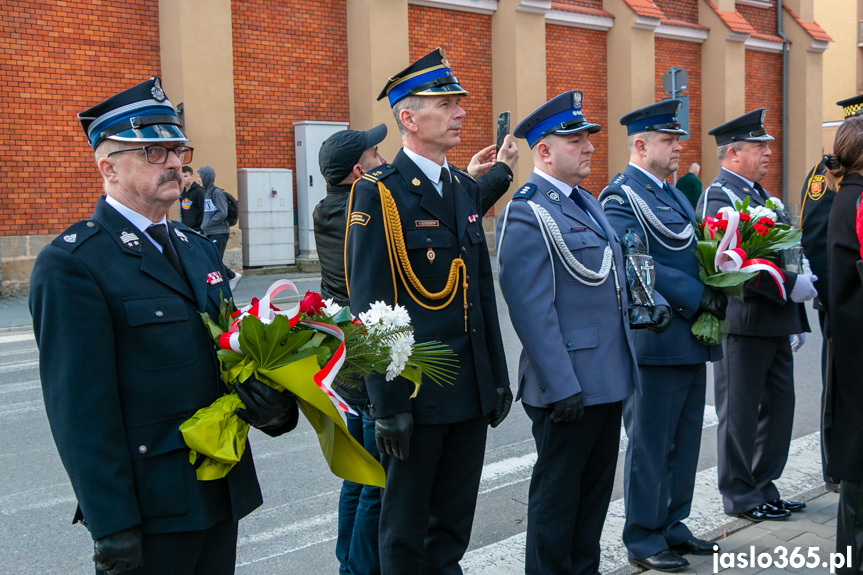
(398, 257)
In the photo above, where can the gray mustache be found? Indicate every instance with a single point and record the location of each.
(171, 175)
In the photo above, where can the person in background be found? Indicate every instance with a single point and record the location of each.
(690, 185)
(111, 297)
(815, 202)
(191, 201)
(214, 225)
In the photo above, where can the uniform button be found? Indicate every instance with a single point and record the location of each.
(568, 344)
(473, 331)
(680, 309)
(160, 313)
(428, 240)
(583, 241)
(142, 449)
(463, 250)
(542, 388)
(470, 305)
(91, 225)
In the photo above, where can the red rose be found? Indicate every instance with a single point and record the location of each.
(312, 304)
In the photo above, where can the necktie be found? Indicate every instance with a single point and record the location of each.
(160, 233)
(761, 191)
(575, 196)
(446, 190)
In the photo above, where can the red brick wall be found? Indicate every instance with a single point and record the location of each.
(60, 58)
(568, 69)
(466, 38)
(683, 10)
(762, 19)
(764, 90)
(290, 64)
(687, 55)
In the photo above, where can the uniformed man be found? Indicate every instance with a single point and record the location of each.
(816, 200)
(754, 380)
(664, 422)
(415, 238)
(111, 297)
(562, 275)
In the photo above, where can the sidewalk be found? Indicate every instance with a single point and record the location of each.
(802, 537)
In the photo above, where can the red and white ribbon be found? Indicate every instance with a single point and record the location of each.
(264, 311)
(730, 258)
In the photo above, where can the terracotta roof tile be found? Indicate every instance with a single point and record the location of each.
(645, 8)
(734, 20)
(683, 24)
(812, 28)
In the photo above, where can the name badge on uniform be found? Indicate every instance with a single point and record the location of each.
(214, 278)
(426, 223)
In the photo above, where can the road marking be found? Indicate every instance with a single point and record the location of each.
(16, 337)
(802, 474)
(13, 366)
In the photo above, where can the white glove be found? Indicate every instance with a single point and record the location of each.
(797, 341)
(803, 288)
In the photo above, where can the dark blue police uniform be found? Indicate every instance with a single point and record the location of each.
(664, 422)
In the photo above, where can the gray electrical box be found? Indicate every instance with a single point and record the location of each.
(311, 187)
(266, 216)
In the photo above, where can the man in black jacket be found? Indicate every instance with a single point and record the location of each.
(191, 200)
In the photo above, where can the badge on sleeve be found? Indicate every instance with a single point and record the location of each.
(359, 218)
(816, 187)
(214, 278)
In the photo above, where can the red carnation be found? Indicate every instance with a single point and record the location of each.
(761, 229)
(744, 217)
(767, 222)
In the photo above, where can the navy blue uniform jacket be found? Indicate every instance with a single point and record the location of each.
(124, 360)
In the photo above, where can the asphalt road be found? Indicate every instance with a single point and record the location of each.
(294, 532)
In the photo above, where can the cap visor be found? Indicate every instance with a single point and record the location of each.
(764, 138)
(679, 131)
(154, 133)
(376, 135)
(591, 129)
(444, 90)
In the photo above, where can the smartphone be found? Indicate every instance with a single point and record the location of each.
(502, 127)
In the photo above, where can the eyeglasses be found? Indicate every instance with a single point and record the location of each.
(159, 154)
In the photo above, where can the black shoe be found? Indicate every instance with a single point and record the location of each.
(792, 506)
(831, 486)
(695, 546)
(764, 512)
(665, 561)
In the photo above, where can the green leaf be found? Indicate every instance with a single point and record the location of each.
(729, 279)
(213, 329)
(273, 345)
(707, 251)
(344, 316)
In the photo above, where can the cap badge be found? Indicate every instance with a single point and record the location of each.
(156, 91)
(71, 238)
(443, 60)
(415, 181)
(576, 100)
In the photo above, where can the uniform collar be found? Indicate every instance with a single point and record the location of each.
(750, 183)
(655, 180)
(137, 220)
(428, 167)
(561, 186)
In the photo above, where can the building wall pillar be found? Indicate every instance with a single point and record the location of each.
(197, 58)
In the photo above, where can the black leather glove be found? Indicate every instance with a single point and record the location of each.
(501, 409)
(713, 302)
(568, 410)
(120, 551)
(265, 407)
(660, 319)
(393, 434)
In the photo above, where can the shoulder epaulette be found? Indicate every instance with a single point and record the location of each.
(524, 192)
(462, 172)
(76, 234)
(379, 173)
(618, 179)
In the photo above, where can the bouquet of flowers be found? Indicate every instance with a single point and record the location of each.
(286, 349)
(733, 248)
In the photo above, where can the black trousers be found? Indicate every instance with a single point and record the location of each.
(212, 551)
(570, 489)
(429, 501)
(826, 394)
(849, 525)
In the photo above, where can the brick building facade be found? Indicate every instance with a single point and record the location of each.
(246, 70)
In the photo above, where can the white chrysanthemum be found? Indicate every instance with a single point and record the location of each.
(775, 204)
(373, 318)
(759, 212)
(400, 353)
(398, 317)
(332, 308)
